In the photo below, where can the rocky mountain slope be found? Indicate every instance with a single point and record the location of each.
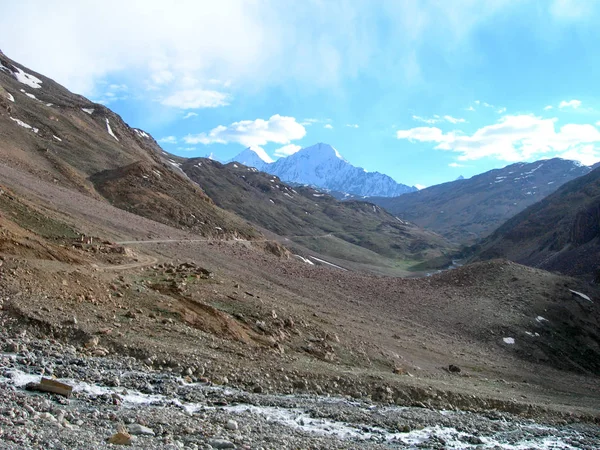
(66, 139)
(561, 232)
(466, 210)
(311, 217)
(324, 167)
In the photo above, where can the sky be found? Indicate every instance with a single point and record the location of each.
(422, 90)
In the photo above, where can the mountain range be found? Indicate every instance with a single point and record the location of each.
(468, 209)
(322, 166)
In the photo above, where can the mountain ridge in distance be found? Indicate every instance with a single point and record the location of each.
(322, 166)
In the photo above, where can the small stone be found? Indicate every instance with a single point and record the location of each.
(453, 369)
(221, 443)
(140, 430)
(231, 425)
(120, 438)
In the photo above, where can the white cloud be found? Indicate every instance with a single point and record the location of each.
(454, 164)
(548, 107)
(287, 150)
(501, 110)
(328, 126)
(190, 114)
(570, 104)
(250, 43)
(420, 186)
(277, 129)
(454, 119)
(436, 119)
(195, 99)
(168, 140)
(470, 108)
(309, 122)
(514, 138)
(425, 120)
(352, 125)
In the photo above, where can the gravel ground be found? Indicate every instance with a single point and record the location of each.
(165, 410)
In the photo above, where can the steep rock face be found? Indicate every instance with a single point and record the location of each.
(466, 210)
(322, 166)
(561, 232)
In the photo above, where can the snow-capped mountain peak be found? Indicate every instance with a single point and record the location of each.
(253, 157)
(322, 166)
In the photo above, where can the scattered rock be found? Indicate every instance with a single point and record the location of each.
(120, 438)
(454, 369)
(221, 443)
(139, 430)
(52, 386)
(231, 425)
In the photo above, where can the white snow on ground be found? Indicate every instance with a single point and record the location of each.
(57, 138)
(110, 131)
(271, 201)
(28, 94)
(579, 294)
(306, 260)
(509, 340)
(25, 125)
(27, 78)
(49, 104)
(141, 133)
(90, 111)
(329, 264)
(540, 319)
(10, 97)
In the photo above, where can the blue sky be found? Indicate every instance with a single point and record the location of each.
(422, 90)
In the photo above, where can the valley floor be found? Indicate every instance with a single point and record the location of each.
(179, 316)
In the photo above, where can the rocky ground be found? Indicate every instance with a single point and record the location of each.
(158, 409)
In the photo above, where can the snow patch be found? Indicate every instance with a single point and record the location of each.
(509, 340)
(578, 294)
(10, 97)
(322, 261)
(306, 260)
(540, 319)
(28, 94)
(141, 133)
(110, 131)
(90, 111)
(57, 138)
(28, 79)
(25, 125)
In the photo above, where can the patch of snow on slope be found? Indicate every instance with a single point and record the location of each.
(329, 264)
(25, 125)
(90, 111)
(57, 138)
(578, 294)
(541, 319)
(28, 94)
(306, 260)
(110, 131)
(141, 133)
(509, 340)
(10, 97)
(28, 79)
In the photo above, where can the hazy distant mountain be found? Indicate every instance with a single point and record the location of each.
(466, 210)
(322, 166)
